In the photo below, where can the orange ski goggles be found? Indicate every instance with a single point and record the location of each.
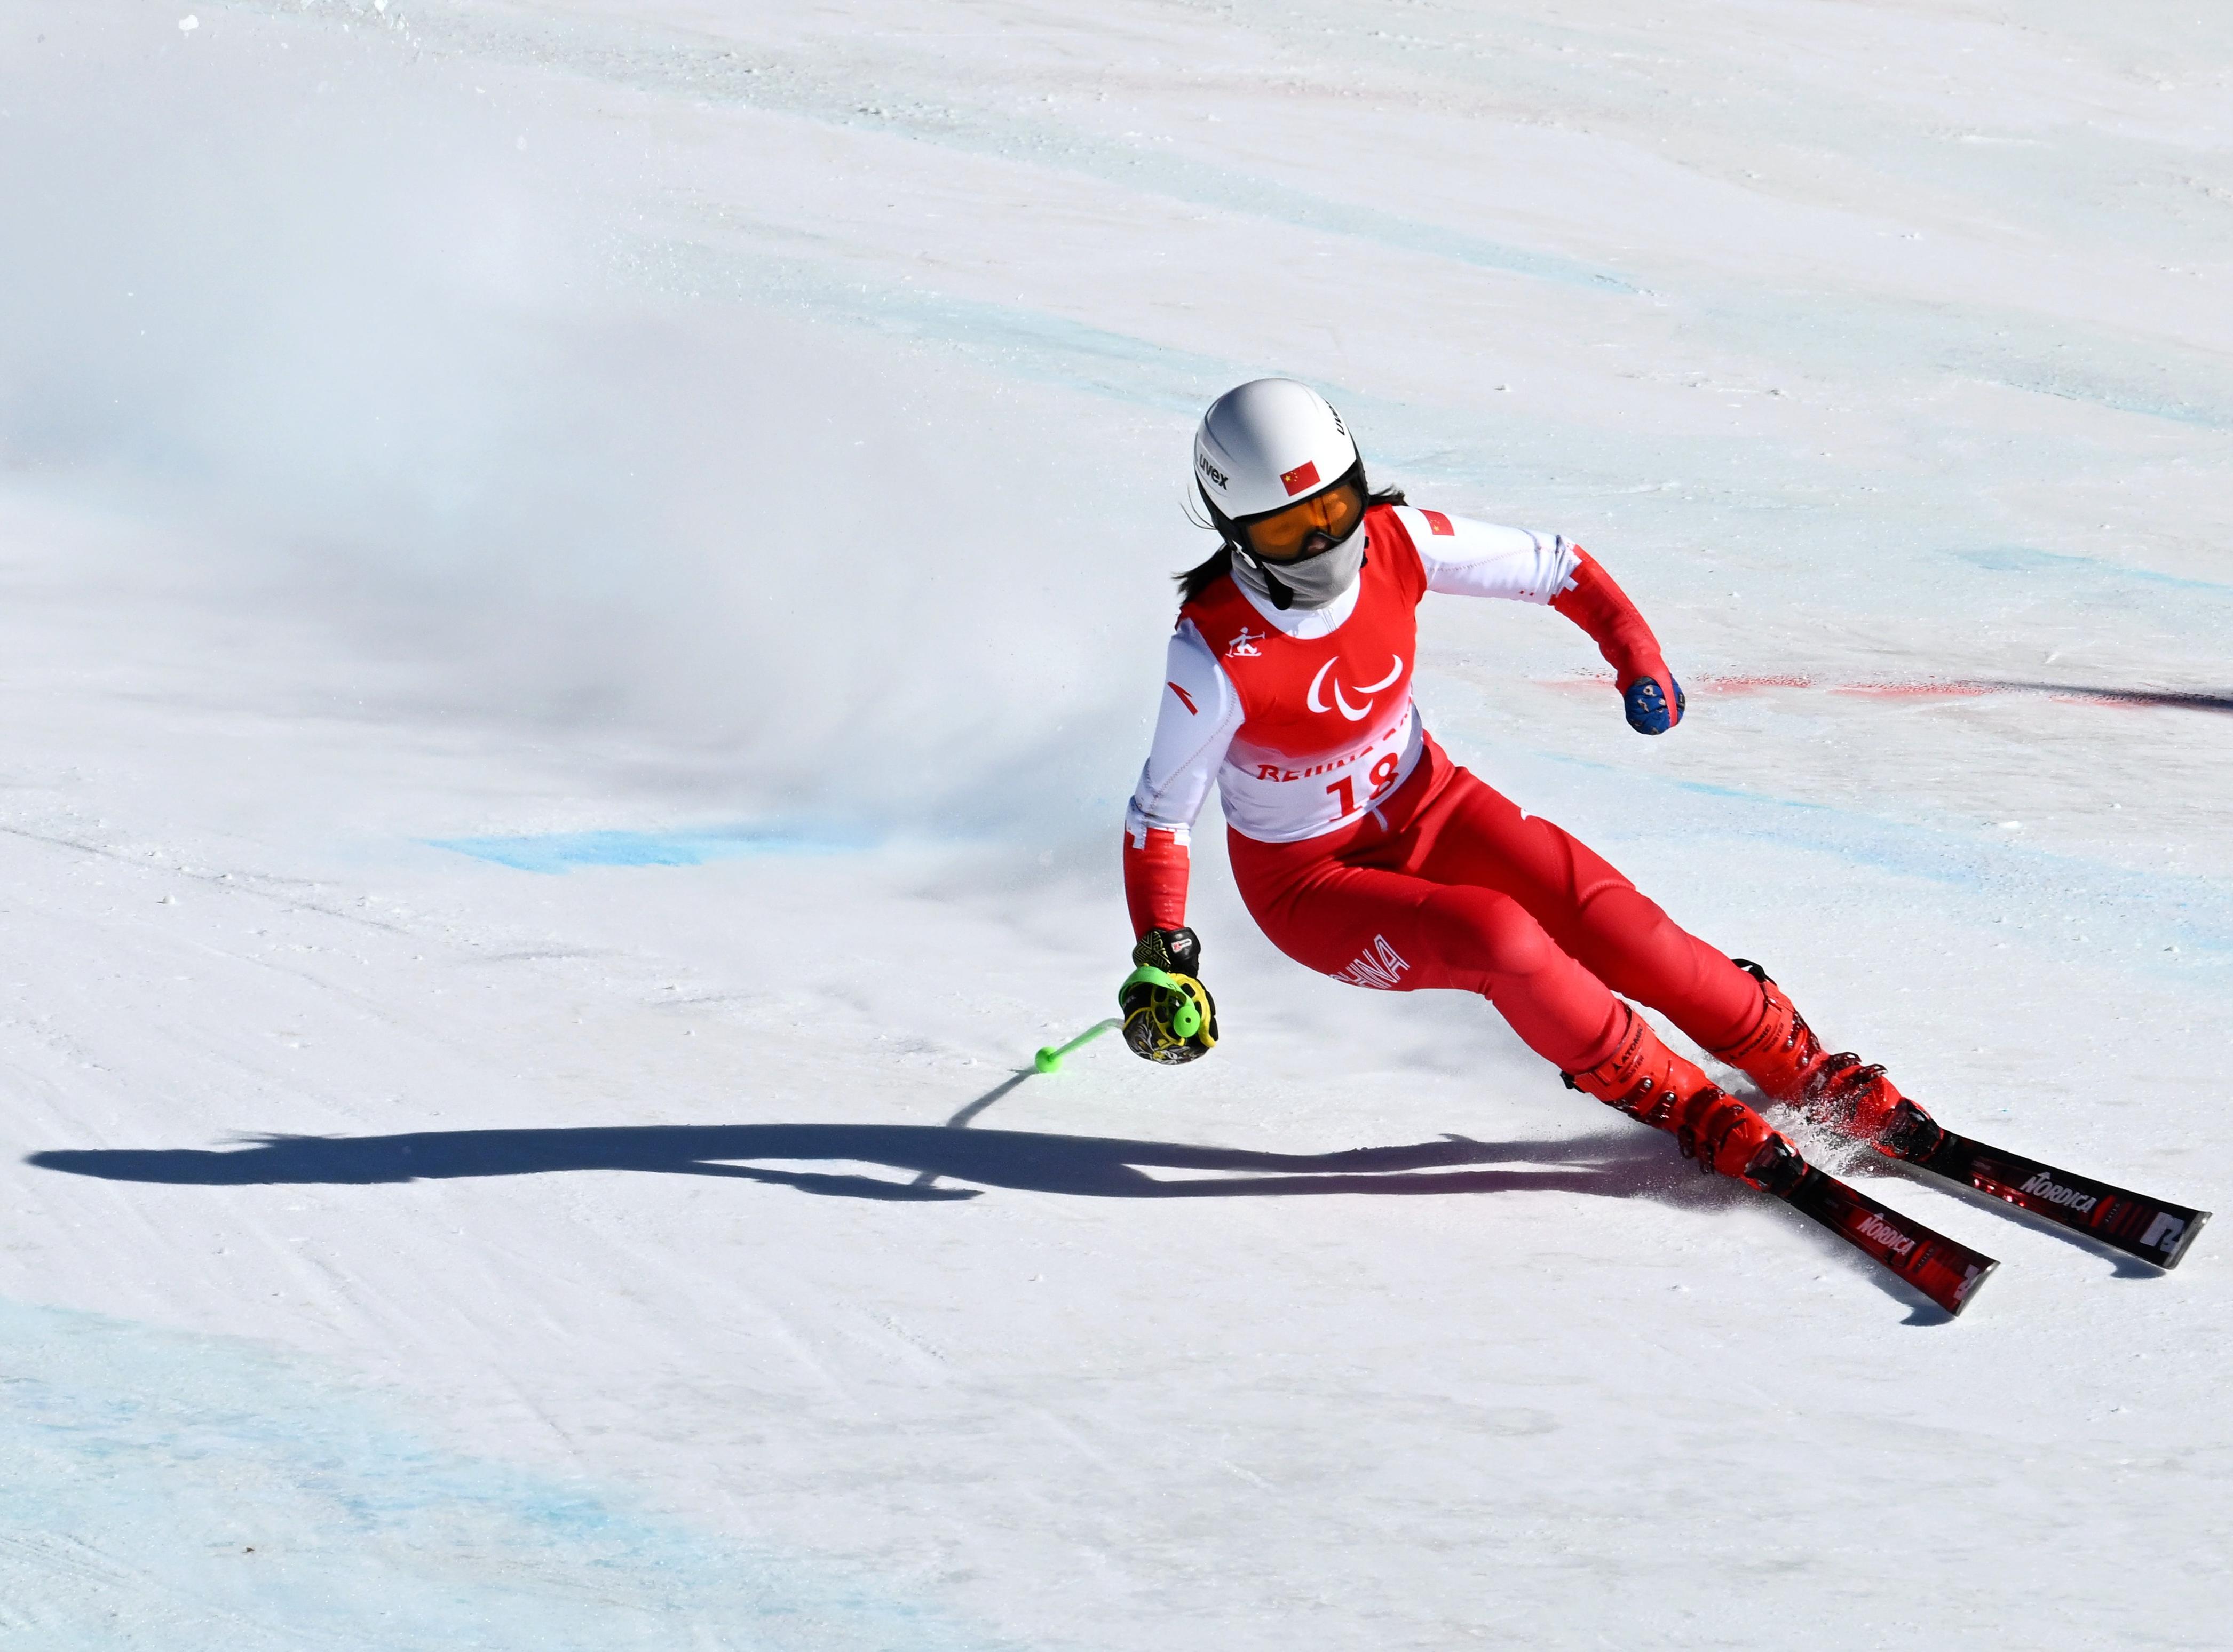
(1308, 526)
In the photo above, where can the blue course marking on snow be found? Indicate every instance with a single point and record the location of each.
(2196, 914)
(1024, 343)
(2021, 559)
(1143, 168)
(1150, 172)
(2096, 395)
(196, 1494)
(556, 852)
(1020, 342)
(1053, 349)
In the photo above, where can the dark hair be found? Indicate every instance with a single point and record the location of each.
(1199, 578)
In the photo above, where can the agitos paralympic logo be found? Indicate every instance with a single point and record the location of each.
(1354, 713)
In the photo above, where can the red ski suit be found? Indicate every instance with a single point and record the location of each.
(1376, 859)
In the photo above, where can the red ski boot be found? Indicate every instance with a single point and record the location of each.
(1650, 1082)
(1783, 1057)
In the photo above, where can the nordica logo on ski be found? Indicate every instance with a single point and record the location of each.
(2044, 1187)
(1874, 1227)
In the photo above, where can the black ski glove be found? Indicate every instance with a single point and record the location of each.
(1168, 1014)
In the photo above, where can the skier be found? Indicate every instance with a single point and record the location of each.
(1363, 852)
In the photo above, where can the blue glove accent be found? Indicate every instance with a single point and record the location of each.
(1647, 705)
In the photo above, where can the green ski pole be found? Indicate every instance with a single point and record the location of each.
(1049, 1059)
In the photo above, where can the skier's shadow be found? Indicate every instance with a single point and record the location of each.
(2171, 699)
(1618, 1165)
(926, 1157)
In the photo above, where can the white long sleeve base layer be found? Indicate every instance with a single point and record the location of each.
(1188, 755)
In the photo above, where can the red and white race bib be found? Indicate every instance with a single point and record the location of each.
(1328, 729)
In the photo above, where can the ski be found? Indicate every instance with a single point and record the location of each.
(1944, 1269)
(2153, 1230)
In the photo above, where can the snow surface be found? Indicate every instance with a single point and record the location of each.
(580, 586)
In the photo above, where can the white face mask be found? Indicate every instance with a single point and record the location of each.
(1310, 583)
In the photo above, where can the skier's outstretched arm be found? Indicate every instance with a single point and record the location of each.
(1648, 689)
(1194, 725)
(1168, 1015)
(1467, 558)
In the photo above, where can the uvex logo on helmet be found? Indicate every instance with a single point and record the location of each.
(1209, 470)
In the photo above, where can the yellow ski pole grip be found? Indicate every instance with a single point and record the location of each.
(1186, 1019)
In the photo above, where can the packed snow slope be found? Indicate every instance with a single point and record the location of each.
(582, 583)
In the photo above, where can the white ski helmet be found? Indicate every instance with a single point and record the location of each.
(1266, 444)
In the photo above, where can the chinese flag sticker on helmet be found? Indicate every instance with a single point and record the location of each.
(1304, 476)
